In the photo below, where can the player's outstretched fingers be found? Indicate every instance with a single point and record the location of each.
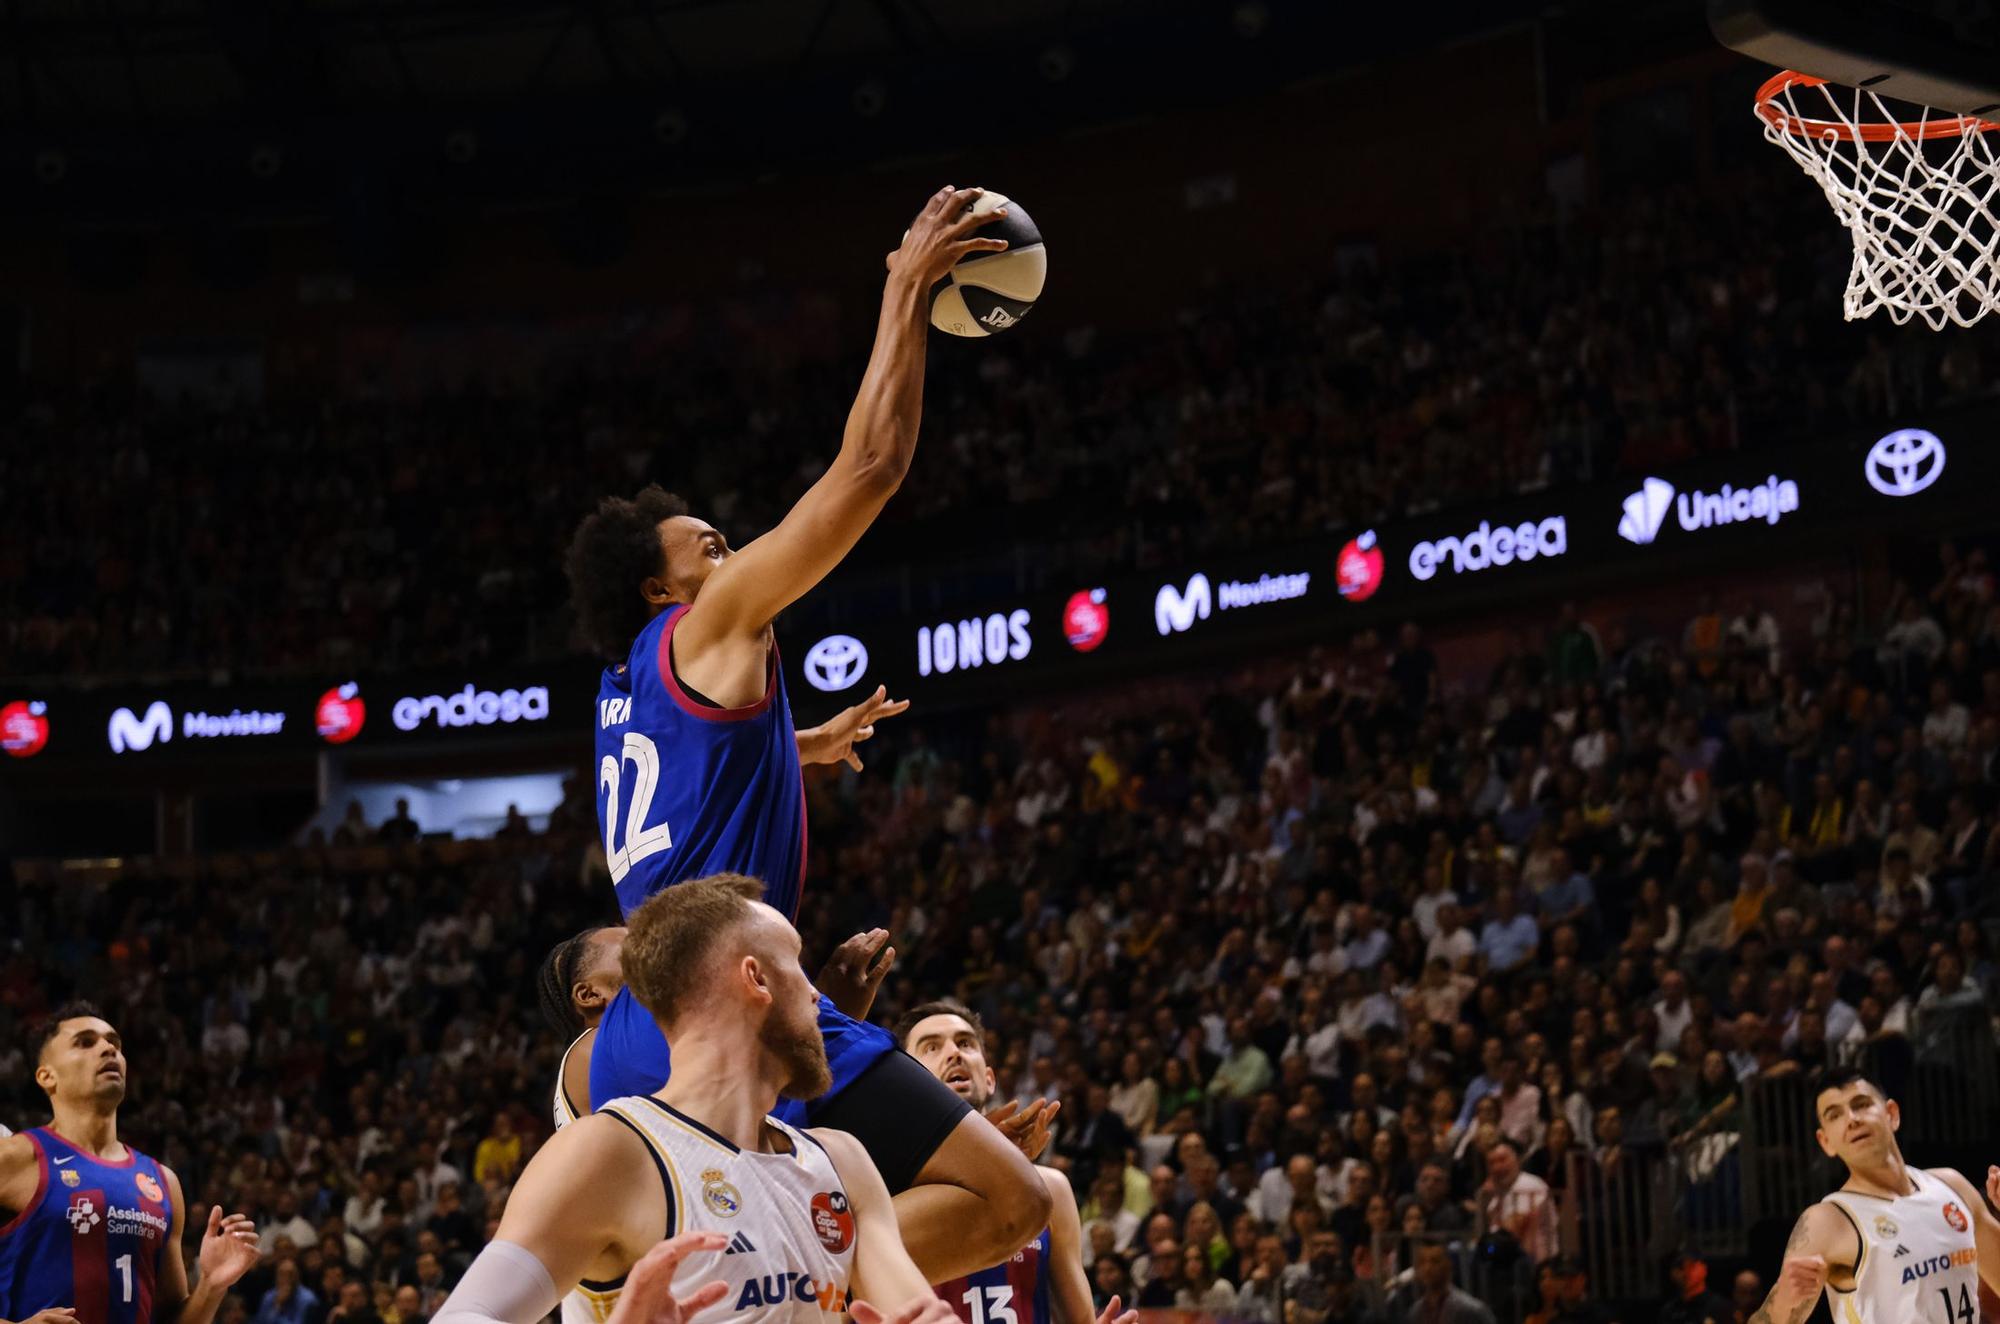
(1993, 1185)
(649, 1298)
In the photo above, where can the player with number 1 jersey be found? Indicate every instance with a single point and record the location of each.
(90, 1227)
(699, 767)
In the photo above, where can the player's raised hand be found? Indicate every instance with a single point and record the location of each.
(1026, 1128)
(1993, 1186)
(944, 233)
(649, 1297)
(834, 740)
(1111, 1315)
(854, 974)
(228, 1247)
(926, 1309)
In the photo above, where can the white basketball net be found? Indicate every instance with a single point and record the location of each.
(1921, 199)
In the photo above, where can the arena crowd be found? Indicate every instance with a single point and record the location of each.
(1345, 979)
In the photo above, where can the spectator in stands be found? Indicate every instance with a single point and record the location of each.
(288, 1301)
(1432, 1299)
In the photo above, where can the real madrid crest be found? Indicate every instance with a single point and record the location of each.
(722, 1199)
(71, 1177)
(1885, 1226)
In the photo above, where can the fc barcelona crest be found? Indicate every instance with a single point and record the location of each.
(71, 1177)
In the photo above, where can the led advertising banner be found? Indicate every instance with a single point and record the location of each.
(1741, 509)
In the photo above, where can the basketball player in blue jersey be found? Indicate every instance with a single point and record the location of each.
(1044, 1282)
(699, 764)
(90, 1228)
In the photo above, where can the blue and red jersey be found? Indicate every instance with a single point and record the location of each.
(92, 1238)
(686, 789)
(1015, 1291)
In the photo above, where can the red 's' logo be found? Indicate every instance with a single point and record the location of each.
(340, 714)
(1358, 569)
(149, 1188)
(24, 728)
(1086, 620)
(833, 1221)
(1954, 1216)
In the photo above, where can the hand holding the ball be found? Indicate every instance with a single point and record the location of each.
(943, 234)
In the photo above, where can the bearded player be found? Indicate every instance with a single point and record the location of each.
(773, 1222)
(699, 764)
(1895, 1244)
(90, 1228)
(948, 1039)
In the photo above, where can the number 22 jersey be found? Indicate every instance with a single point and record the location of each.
(91, 1238)
(684, 790)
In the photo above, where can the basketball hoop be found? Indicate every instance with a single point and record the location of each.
(1921, 198)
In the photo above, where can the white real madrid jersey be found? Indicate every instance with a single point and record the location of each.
(566, 1111)
(1919, 1263)
(791, 1232)
(582, 1306)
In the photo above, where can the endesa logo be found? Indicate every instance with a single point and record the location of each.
(340, 714)
(1086, 620)
(24, 727)
(1645, 511)
(1176, 609)
(1487, 546)
(1358, 569)
(978, 641)
(472, 706)
(128, 732)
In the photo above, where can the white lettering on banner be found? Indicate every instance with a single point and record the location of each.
(1268, 588)
(1732, 505)
(472, 706)
(977, 641)
(237, 723)
(1176, 609)
(1487, 546)
(137, 733)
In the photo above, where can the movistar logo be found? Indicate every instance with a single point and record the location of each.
(137, 733)
(1645, 510)
(1175, 610)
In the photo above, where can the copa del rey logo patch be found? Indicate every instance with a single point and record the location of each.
(833, 1221)
(1954, 1216)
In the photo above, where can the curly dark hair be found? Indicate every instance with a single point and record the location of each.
(556, 977)
(615, 548)
(51, 1025)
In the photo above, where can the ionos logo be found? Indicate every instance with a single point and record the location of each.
(1645, 511)
(836, 662)
(976, 642)
(1487, 546)
(137, 733)
(24, 727)
(1175, 610)
(472, 706)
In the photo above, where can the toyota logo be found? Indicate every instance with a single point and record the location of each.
(1905, 462)
(836, 662)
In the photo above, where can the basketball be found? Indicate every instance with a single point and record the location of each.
(989, 293)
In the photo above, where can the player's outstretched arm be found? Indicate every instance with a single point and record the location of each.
(747, 591)
(228, 1251)
(1821, 1242)
(833, 741)
(576, 1208)
(1069, 1284)
(1985, 1228)
(886, 1279)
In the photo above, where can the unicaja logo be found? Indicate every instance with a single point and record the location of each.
(836, 662)
(1645, 510)
(130, 732)
(1175, 610)
(1905, 462)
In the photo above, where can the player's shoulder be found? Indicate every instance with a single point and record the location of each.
(1057, 1181)
(17, 1149)
(1956, 1180)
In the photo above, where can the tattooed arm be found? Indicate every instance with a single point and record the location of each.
(1823, 1242)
